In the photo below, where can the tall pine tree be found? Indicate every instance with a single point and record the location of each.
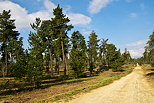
(61, 27)
(150, 49)
(126, 56)
(92, 51)
(11, 45)
(103, 53)
(114, 58)
(78, 54)
(35, 63)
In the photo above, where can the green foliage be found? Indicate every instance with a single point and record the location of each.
(77, 55)
(148, 55)
(151, 41)
(114, 57)
(11, 45)
(152, 63)
(49, 46)
(103, 53)
(60, 29)
(38, 46)
(126, 56)
(19, 69)
(151, 49)
(28, 69)
(92, 51)
(77, 62)
(151, 57)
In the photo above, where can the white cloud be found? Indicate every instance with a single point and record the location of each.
(135, 53)
(44, 15)
(20, 14)
(23, 19)
(136, 49)
(79, 19)
(49, 5)
(133, 15)
(67, 9)
(88, 32)
(137, 43)
(96, 5)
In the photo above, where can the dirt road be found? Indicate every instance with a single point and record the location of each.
(130, 89)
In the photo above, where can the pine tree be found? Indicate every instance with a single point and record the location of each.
(92, 51)
(10, 43)
(35, 40)
(15, 49)
(151, 41)
(120, 60)
(35, 63)
(78, 54)
(114, 58)
(61, 27)
(28, 69)
(47, 36)
(146, 56)
(126, 56)
(102, 53)
(150, 49)
(110, 54)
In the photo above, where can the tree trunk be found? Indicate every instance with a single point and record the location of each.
(57, 66)
(50, 63)
(64, 58)
(91, 65)
(6, 63)
(3, 70)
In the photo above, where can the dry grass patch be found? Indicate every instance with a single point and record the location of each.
(149, 74)
(66, 89)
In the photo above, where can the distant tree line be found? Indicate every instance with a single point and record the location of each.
(51, 50)
(148, 55)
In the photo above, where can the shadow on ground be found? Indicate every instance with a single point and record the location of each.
(150, 74)
(45, 84)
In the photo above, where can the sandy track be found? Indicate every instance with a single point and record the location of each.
(130, 89)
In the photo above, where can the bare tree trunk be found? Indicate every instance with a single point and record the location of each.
(64, 58)
(51, 63)
(57, 65)
(3, 70)
(6, 63)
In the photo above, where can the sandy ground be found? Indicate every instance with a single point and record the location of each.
(130, 89)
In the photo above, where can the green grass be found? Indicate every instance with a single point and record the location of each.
(102, 81)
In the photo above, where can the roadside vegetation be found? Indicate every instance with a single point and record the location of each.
(66, 89)
(102, 80)
(147, 60)
(149, 73)
(148, 55)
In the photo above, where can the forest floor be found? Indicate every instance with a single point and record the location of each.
(63, 90)
(133, 88)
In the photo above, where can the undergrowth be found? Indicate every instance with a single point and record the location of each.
(102, 81)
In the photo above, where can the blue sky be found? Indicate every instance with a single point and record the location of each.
(126, 23)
